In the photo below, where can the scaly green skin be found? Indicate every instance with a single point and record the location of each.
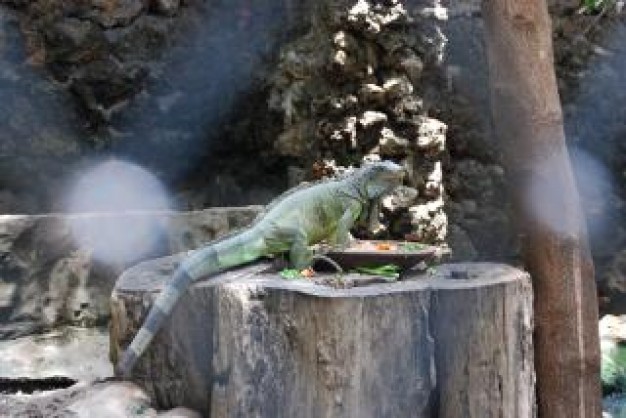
(298, 219)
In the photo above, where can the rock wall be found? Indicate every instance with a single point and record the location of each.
(174, 85)
(184, 88)
(47, 280)
(474, 176)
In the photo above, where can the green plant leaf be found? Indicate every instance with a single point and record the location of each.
(391, 271)
(593, 5)
(290, 274)
(412, 246)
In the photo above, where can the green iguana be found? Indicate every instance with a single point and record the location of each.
(302, 217)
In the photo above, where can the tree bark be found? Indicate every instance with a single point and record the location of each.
(527, 118)
(248, 343)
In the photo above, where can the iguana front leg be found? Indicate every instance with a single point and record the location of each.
(341, 237)
(370, 217)
(300, 256)
(373, 219)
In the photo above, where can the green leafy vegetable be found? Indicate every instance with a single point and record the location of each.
(412, 246)
(291, 274)
(391, 271)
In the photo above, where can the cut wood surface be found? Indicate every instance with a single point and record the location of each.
(248, 343)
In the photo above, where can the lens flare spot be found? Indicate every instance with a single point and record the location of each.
(116, 201)
(547, 202)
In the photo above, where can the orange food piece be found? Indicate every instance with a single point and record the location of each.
(384, 246)
(308, 272)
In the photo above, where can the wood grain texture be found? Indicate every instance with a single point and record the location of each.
(483, 356)
(249, 344)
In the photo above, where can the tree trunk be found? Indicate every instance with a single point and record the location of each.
(248, 343)
(527, 119)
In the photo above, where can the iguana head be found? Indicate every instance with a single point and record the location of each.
(379, 178)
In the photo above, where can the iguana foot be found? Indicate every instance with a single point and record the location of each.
(344, 243)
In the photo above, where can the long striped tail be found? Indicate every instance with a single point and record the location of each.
(215, 257)
(155, 320)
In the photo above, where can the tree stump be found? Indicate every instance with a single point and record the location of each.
(247, 343)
